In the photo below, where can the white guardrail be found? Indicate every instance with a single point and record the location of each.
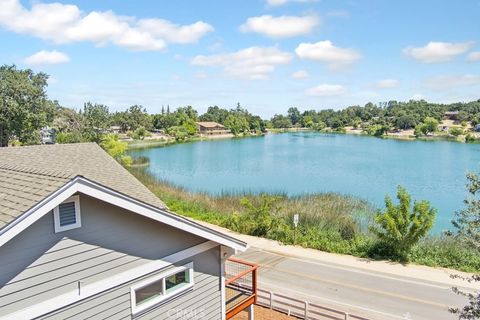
(301, 309)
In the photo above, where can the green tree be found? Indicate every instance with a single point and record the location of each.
(405, 122)
(431, 124)
(236, 124)
(294, 115)
(400, 227)
(377, 130)
(96, 121)
(319, 126)
(456, 131)
(466, 222)
(69, 137)
(116, 149)
(281, 122)
(140, 133)
(190, 126)
(136, 116)
(24, 106)
(178, 132)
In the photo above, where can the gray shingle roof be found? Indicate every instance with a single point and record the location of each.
(29, 174)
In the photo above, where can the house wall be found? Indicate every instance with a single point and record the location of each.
(38, 264)
(202, 302)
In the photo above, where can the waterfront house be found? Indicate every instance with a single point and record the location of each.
(47, 135)
(81, 238)
(211, 128)
(451, 115)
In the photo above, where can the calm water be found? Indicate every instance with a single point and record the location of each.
(298, 163)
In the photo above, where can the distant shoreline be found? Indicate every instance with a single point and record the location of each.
(166, 141)
(404, 135)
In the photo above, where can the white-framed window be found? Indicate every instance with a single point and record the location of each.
(66, 216)
(161, 287)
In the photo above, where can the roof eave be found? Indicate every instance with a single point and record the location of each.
(88, 187)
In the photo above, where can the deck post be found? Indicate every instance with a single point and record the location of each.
(271, 300)
(306, 310)
(347, 316)
(251, 315)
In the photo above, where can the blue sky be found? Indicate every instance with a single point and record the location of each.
(266, 54)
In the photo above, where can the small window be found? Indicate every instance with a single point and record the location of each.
(161, 287)
(66, 216)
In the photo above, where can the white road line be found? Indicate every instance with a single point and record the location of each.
(417, 282)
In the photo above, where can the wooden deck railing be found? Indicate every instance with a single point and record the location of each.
(240, 286)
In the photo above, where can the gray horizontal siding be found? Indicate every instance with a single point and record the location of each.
(38, 264)
(115, 303)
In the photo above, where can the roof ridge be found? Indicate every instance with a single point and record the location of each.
(48, 173)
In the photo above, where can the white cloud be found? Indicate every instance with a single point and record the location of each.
(64, 23)
(175, 33)
(47, 57)
(300, 74)
(326, 52)
(277, 3)
(280, 27)
(324, 90)
(435, 52)
(387, 84)
(474, 56)
(251, 63)
(449, 81)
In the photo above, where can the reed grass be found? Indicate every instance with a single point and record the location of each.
(329, 222)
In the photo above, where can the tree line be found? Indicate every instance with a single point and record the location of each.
(25, 108)
(374, 119)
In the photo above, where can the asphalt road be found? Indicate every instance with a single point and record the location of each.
(357, 291)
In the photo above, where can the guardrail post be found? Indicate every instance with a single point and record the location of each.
(347, 316)
(306, 310)
(271, 299)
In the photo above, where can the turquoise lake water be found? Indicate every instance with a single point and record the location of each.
(298, 163)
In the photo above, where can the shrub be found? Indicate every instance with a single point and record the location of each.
(456, 131)
(400, 227)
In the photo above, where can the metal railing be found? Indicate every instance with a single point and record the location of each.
(300, 308)
(240, 286)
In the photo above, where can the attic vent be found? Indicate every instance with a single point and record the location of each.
(67, 215)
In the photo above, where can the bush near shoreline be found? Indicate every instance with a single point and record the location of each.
(329, 222)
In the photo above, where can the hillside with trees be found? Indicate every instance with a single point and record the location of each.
(25, 109)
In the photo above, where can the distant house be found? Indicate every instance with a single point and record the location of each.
(211, 128)
(477, 128)
(81, 238)
(47, 135)
(450, 115)
(115, 129)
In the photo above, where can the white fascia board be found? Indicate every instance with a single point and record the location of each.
(95, 190)
(51, 305)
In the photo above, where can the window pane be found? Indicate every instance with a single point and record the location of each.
(177, 280)
(146, 293)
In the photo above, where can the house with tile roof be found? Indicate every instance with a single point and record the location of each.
(209, 128)
(81, 238)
